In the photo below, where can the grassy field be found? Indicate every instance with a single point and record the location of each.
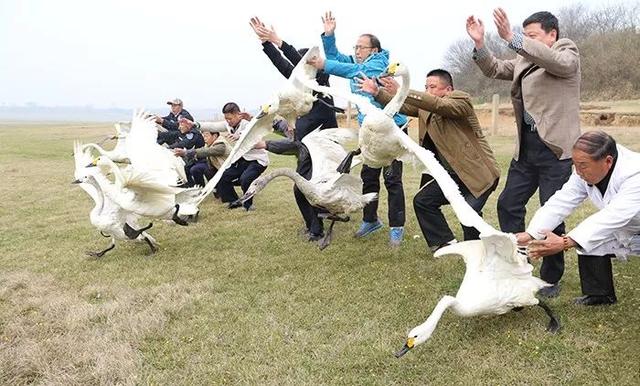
(239, 297)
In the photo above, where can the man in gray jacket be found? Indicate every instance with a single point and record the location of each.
(545, 93)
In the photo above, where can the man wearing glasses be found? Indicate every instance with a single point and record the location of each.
(371, 60)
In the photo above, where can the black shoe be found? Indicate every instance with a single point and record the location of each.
(550, 292)
(315, 236)
(594, 300)
(234, 204)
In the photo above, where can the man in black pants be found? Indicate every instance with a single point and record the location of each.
(322, 115)
(545, 93)
(246, 169)
(609, 175)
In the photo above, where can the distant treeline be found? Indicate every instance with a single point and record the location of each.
(608, 38)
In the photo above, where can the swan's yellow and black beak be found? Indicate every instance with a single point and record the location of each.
(264, 110)
(407, 346)
(391, 70)
(93, 163)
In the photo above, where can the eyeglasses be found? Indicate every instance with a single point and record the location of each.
(356, 48)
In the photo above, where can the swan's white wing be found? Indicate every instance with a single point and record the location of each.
(146, 181)
(497, 243)
(326, 149)
(146, 154)
(463, 211)
(364, 105)
(82, 158)
(120, 149)
(250, 136)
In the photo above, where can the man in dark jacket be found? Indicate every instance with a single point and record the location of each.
(171, 122)
(322, 114)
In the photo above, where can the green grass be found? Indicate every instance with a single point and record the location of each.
(240, 298)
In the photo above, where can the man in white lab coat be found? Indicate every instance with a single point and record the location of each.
(609, 175)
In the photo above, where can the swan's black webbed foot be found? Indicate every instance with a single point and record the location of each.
(98, 255)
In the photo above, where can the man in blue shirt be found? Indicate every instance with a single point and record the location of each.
(371, 60)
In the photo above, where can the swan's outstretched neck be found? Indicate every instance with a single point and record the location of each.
(300, 181)
(425, 330)
(396, 102)
(422, 333)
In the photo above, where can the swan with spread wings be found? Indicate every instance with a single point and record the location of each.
(337, 193)
(107, 216)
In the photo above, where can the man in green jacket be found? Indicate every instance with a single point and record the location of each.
(448, 127)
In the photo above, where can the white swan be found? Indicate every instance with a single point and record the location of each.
(337, 193)
(109, 218)
(295, 98)
(493, 284)
(145, 192)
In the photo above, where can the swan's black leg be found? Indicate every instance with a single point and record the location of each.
(326, 240)
(554, 324)
(134, 233)
(154, 249)
(101, 253)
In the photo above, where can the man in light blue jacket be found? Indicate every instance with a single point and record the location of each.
(371, 60)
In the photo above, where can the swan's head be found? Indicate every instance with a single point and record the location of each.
(256, 186)
(266, 109)
(395, 69)
(416, 336)
(93, 163)
(80, 178)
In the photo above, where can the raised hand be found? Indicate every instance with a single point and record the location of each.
(475, 29)
(367, 84)
(502, 24)
(329, 24)
(390, 85)
(256, 24)
(264, 33)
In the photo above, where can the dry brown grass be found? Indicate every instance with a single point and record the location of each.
(59, 335)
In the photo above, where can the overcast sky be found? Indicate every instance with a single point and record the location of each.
(126, 53)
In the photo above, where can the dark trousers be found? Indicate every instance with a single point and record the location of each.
(241, 173)
(197, 171)
(309, 212)
(168, 137)
(393, 182)
(537, 168)
(427, 203)
(596, 276)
